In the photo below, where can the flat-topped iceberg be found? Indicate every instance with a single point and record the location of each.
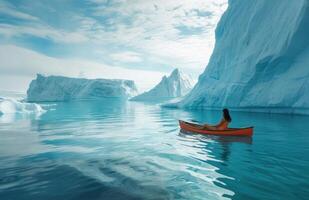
(59, 88)
(176, 85)
(260, 61)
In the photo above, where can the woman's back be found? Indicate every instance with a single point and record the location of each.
(222, 125)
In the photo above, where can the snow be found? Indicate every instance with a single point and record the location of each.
(13, 106)
(59, 88)
(176, 85)
(260, 60)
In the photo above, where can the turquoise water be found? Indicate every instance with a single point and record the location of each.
(126, 150)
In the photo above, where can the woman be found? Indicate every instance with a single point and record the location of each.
(226, 119)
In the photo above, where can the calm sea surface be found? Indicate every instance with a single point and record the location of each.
(125, 150)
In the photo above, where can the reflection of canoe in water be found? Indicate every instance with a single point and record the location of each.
(187, 126)
(223, 139)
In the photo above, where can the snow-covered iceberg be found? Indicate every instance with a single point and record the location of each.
(176, 85)
(13, 106)
(260, 60)
(59, 88)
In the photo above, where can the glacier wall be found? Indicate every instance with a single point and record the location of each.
(59, 88)
(260, 61)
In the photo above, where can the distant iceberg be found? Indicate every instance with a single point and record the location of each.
(59, 88)
(12, 106)
(176, 85)
(260, 61)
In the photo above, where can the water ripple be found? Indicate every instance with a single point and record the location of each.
(94, 150)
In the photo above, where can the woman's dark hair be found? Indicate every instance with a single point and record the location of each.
(226, 115)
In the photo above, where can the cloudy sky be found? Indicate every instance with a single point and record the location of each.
(132, 39)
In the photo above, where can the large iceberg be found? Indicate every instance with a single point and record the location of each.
(176, 85)
(260, 61)
(59, 88)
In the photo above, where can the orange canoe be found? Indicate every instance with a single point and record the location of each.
(187, 126)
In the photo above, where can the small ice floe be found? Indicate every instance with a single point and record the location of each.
(13, 106)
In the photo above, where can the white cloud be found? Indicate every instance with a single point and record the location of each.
(154, 28)
(127, 57)
(188, 52)
(8, 9)
(35, 27)
(164, 33)
(42, 31)
(21, 65)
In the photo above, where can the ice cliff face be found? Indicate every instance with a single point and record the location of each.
(176, 85)
(260, 60)
(58, 88)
